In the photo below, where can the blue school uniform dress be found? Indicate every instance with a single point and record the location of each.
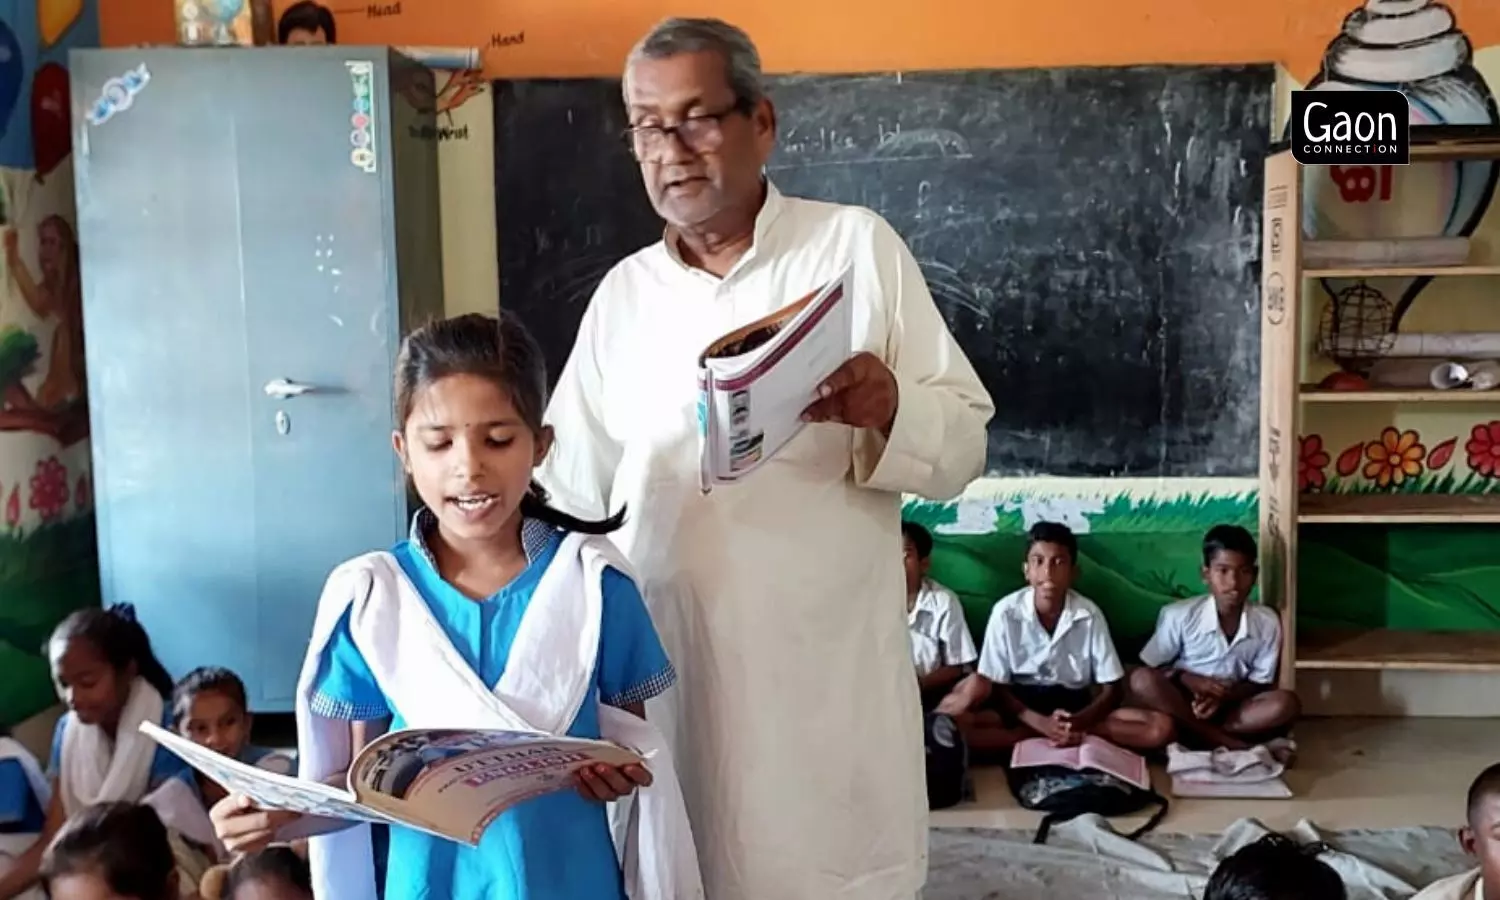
(21, 810)
(554, 847)
(164, 763)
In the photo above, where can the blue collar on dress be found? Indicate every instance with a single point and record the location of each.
(536, 536)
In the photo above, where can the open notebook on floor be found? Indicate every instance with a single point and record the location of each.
(1092, 753)
(1253, 774)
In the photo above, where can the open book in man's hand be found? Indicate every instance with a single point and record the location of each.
(755, 382)
(450, 783)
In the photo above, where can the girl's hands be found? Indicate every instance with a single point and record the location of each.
(607, 784)
(244, 827)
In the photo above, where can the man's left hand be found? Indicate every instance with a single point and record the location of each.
(861, 393)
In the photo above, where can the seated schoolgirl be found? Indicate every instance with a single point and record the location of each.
(111, 681)
(118, 851)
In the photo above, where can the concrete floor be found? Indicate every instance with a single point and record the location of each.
(1349, 773)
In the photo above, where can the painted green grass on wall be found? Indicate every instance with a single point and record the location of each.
(45, 574)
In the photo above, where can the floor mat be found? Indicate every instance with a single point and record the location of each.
(1088, 858)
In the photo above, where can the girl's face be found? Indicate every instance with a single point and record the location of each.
(470, 455)
(268, 889)
(85, 886)
(93, 689)
(217, 721)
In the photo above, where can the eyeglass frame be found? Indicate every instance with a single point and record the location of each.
(739, 107)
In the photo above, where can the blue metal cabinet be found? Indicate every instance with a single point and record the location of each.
(258, 227)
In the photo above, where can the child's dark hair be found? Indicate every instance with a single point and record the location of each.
(306, 15)
(921, 538)
(203, 679)
(279, 863)
(1485, 786)
(504, 352)
(1053, 533)
(123, 844)
(1275, 868)
(119, 638)
(1231, 538)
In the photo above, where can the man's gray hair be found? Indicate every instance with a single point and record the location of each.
(672, 37)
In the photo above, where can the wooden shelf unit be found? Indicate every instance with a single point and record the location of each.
(1285, 287)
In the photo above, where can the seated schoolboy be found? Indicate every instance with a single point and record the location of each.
(1048, 666)
(941, 647)
(1481, 839)
(1211, 664)
(210, 708)
(1275, 868)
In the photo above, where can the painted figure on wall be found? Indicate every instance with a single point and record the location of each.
(48, 564)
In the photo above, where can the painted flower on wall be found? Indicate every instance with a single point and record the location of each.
(1441, 455)
(1349, 460)
(1312, 460)
(1394, 458)
(1483, 448)
(49, 488)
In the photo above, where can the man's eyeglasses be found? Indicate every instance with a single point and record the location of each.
(699, 134)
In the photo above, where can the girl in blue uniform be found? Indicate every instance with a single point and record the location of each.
(110, 679)
(470, 397)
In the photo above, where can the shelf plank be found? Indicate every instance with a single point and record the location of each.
(1311, 393)
(1433, 651)
(1400, 508)
(1398, 271)
(1485, 149)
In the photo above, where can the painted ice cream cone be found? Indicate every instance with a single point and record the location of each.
(1414, 46)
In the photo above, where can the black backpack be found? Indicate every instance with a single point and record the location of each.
(1062, 794)
(947, 761)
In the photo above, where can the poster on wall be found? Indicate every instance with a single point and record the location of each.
(47, 552)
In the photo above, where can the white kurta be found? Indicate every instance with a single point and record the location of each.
(781, 600)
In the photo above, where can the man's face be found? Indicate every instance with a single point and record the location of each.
(714, 163)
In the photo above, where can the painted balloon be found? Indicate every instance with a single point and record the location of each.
(51, 135)
(10, 74)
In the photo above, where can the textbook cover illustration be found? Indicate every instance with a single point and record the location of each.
(755, 382)
(449, 783)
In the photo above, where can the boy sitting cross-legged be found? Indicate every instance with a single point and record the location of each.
(1048, 666)
(1211, 664)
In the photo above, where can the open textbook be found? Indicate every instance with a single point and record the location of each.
(1092, 753)
(450, 783)
(755, 382)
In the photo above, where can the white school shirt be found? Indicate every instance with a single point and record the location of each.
(939, 635)
(789, 584)
(1466, 886)
(1188, 637)
(1079, 652)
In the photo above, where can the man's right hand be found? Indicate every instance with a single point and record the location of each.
(243, 827)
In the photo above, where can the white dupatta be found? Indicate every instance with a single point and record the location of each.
(546, 680)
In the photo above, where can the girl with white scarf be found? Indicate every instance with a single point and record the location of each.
(111, 681)
(498, 612)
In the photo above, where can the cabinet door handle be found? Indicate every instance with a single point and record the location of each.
(281, 388)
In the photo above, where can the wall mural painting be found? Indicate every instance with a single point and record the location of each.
(47, 549)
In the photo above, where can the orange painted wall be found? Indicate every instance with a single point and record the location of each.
(590, 37)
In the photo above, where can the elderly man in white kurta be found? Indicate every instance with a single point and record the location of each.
(796, 725)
